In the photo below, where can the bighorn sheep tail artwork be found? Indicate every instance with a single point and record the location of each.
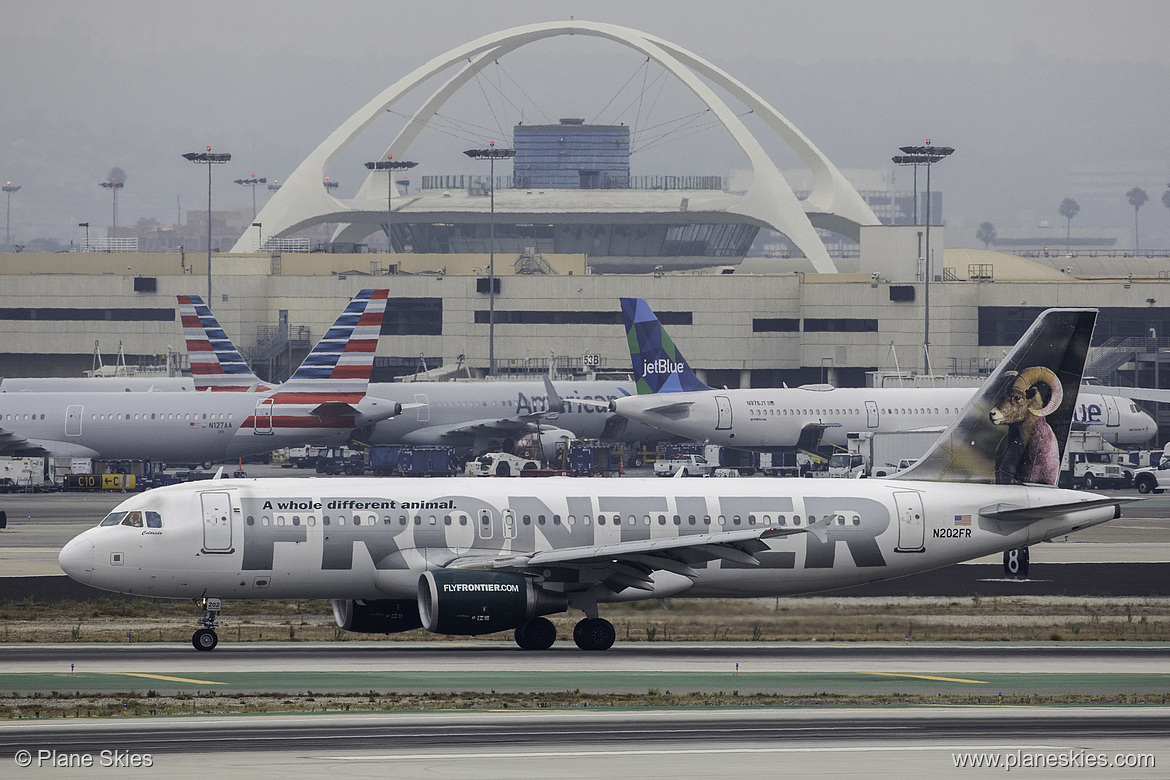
(1029, 453)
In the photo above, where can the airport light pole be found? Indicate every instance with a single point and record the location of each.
(492, 153)
(926, 155)
(113, 185)
(390, 165)
(9, 188)
(252, 182)
(274, 186)
(209, 159)
(86, 226)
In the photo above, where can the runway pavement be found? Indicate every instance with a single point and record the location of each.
(910, 742)
(975, 669)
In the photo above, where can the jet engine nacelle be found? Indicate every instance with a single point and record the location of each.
(382, 616)
(481, 602)
(552, 442)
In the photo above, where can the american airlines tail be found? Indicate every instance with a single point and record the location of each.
(216, 364)
(1014, 429)
(659, 367)
(328, 390)
(345, 354)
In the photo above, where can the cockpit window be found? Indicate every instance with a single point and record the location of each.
(114, 518)
(153, 520)
(133, 519)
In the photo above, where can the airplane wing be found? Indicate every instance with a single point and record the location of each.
(14, 446)
(503, 426)
(629, 564)
(672, 411)
(1132, 393)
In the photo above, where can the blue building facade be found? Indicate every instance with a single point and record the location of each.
(572, 156)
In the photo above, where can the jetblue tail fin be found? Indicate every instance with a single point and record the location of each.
(659, 367)
(1014, 429)
(216, 364)
(345, 354)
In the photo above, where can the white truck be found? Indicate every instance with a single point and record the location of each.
(1153, 479)
(880, 454)
(499, 464)
(688, 465)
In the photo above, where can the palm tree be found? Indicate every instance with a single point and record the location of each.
(1069, 208)
(986, 233)
(1137, 198)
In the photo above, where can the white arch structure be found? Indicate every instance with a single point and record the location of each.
(833, 204)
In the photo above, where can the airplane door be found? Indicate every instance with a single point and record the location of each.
(73, 417)
(263, 420)
(424, 411)
(509, 524)
(485, 524)
(723, 411)
(1112, 414)
(911, 525)
(217, 522)
(871, 414)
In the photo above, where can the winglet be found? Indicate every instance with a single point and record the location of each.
(1014, 429)
(659, 367)
(216, 364)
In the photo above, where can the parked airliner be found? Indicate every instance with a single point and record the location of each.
(673, 399)
(480, 414)
(465, 556)
(323, 402)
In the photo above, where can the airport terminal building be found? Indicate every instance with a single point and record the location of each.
(575, 231)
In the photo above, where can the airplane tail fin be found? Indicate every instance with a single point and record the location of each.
(345, 354)
(659, 367)
(1014, 429)
(216, 364)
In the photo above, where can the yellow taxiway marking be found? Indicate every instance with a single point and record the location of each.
(928, 677)
(165, 677)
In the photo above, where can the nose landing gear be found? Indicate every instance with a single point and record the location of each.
(206, 638)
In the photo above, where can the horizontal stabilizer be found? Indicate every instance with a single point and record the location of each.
(1030, 513)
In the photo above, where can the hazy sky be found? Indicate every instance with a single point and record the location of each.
(1031, 94)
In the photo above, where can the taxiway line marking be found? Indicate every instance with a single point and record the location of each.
(165, 677)
(929, 677)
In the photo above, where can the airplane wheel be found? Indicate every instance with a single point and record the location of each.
(536, 634)
(205, 639)
(594, 634)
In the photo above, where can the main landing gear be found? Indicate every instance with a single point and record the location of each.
(594, 634)
(206, 638)
(589, 634)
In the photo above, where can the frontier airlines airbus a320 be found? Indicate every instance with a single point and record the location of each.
(469, 557)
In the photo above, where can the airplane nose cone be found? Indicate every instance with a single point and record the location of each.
(76, 559)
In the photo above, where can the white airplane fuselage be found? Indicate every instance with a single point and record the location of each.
(775, 417)
(449, 411)
(372, 538)
(176, 427)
